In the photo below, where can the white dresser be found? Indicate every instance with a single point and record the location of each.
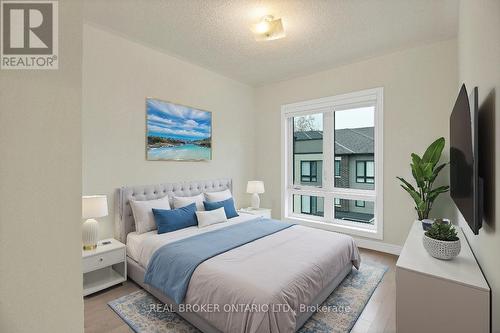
(435, 295)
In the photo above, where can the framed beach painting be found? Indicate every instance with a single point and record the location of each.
(177, 132)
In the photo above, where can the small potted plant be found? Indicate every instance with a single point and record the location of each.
(441, 240)
(425, 170)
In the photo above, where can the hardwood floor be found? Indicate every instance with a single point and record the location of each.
(379, 314)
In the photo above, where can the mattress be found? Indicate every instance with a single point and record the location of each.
(141, 247)
(134, 241)
(270, 280)
(278, 274)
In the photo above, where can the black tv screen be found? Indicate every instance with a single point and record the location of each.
(465, 183)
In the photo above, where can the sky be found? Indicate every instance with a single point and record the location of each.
(170, 120)
(355, 118)
(352, 118)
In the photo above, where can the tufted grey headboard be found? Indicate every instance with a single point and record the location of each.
(124, 219)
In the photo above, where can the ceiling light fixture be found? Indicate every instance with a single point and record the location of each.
(268, 28)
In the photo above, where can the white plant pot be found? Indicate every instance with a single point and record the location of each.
(427, 223)
(441, 249)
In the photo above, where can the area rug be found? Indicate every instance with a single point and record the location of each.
(145, 314)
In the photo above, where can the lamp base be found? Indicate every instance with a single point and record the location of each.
(90, 234)
(255, 201)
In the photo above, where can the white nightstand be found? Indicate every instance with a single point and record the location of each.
(264, 212)
(104, 267)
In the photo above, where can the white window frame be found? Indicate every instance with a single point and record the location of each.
(327, 106)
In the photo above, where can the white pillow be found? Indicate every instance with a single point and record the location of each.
(184, 201)
(218, 196)
(143, 213)
(210, 217)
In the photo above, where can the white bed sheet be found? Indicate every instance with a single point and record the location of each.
(134, 241)
(141, 247)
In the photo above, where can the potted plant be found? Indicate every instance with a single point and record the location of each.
(425, 170)
(441, 240)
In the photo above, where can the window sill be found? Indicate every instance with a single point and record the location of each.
(345, 229)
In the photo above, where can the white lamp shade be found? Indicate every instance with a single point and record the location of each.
(255, 186)
(94, 206)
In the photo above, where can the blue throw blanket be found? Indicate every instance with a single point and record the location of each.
(172, 265)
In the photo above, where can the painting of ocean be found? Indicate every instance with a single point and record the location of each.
(177, 132)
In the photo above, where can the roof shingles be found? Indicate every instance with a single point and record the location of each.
(347, 141)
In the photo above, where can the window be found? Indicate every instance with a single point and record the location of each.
(306, 203)
(359, 203)
(308, 150)
(352, 214)
(332, 174)
(365, 172)
(337, 166)
(309, 171)
(309, 205)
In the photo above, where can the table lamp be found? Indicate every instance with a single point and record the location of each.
(255, 187)
(93, 206)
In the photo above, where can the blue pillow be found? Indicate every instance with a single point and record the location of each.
(175, 219)
(227, 204)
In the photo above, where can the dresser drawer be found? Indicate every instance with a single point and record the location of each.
(102, 260)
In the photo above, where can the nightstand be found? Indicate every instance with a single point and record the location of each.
(263, 212)
(104, 267)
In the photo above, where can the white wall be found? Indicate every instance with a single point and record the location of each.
(40, 190)
(479, 65)
(420, 86)
(118, 74)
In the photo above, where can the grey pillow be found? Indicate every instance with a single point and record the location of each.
(143, 213)
(184, 201)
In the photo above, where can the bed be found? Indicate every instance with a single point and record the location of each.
(271, 284)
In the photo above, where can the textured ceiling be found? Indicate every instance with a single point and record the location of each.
(321, 34)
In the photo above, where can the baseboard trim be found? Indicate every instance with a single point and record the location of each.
(378, 246)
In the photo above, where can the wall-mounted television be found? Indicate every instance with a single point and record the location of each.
(466, 186)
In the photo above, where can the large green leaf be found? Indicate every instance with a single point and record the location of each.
(418, 174)
(433, 152)
(432, 195)
(415, 158)
(427, 169)
(440, 189)
(415, 165)
(436, 172)
(414, 194)
(410, 186)
(412, 167)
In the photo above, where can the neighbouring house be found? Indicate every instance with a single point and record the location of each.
(354, 169)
